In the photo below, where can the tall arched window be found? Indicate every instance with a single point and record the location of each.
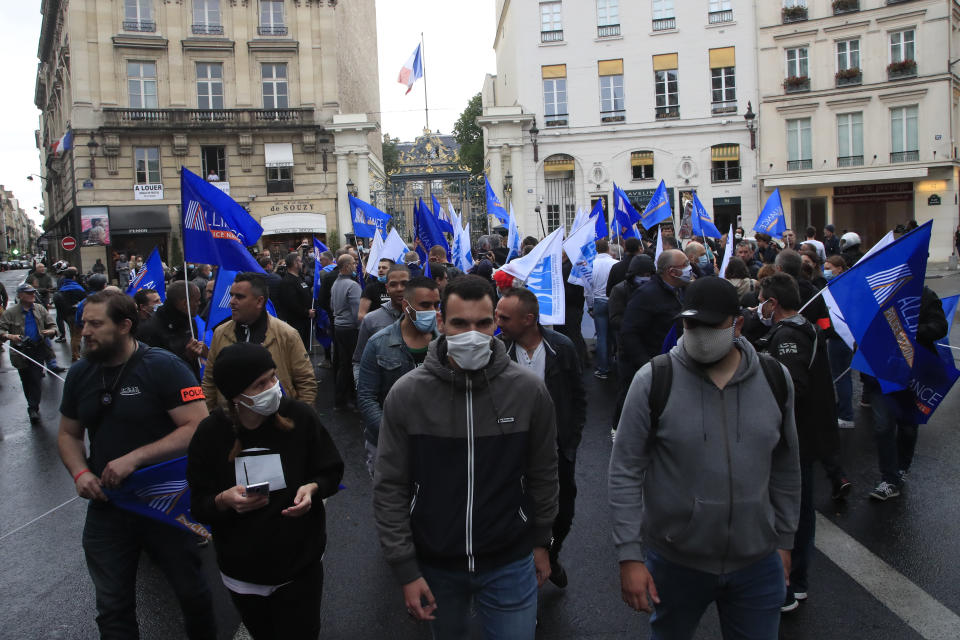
(560, 191)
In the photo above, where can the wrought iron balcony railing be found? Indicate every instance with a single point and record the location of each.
(272, 30)
(190, 118)
(608, 30)
(725, 174)
(143, 26)
(551, 36)
(663, 24)
(799, 165)
(904, 156)
(718, 17)
(207, 29)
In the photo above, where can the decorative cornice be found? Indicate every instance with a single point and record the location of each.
(128, 41)
(208, 44)
(291, 46)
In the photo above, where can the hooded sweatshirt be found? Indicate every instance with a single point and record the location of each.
(466, 473)
(718, 486)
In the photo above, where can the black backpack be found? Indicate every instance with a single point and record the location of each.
(663, 377)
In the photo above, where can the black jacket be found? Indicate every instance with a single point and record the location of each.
(650, 315)
(573, 293)
(294, 298)
(801, 348)
(564, 380)
(618, 272)
(852, 255)
(273, 285)
(932, 322)
(831, 246)
(168, 329)
(263, 546)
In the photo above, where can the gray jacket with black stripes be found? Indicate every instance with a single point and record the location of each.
(466, 471)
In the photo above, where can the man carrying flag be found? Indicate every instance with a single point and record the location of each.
(494, 206)
(173, 329)
(139, 406)
(772, 220)
(896, 322)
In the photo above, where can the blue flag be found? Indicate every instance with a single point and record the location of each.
(513, 237)
(621, 226)
(772, 221)
(318, 248)
(880, 300)
(219, 302)
(600, 226)
(367, 218)
(949, 310)
(931, 381)
(159, 492)
(445, 225)
(216, 230)
(150, 277)
(494, 206)
(658, 209)
(427, 232)
(622, 204)
(702, 224)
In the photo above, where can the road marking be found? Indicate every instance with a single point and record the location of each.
(906, 600)
(42, 515)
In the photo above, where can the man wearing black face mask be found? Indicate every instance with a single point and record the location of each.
(801, 348)
(723, 533)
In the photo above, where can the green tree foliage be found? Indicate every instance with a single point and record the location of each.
(470, 136)
(391, 154)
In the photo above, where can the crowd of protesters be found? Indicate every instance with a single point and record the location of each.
(472, 412)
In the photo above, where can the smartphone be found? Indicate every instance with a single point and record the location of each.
(258, 489)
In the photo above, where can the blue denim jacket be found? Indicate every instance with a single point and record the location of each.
(385, 359)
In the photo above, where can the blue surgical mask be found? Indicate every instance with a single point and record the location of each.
(828, 274)
(686, 274)
(382, 278)
(703, 260)
(424, 321)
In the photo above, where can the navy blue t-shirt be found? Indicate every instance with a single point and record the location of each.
(159, 382)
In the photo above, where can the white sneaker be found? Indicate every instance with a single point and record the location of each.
(846, 424)
(885, 491)
(613, 434)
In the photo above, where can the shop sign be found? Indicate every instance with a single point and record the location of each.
(881, 192)
(88, 184)
(148, 192)
(292, 206)
(933, 201)
(639, 198)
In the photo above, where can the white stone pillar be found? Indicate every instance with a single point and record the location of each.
(343, 204)
(519, 196)
(495, 176)
(363, 175)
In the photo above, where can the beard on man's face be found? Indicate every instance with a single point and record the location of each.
(102, 349)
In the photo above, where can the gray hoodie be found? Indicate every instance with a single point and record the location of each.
(719, 488)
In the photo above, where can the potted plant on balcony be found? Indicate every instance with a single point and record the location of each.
(843, 6)
(796, 83)
(847, 76)
(902, 68)
(795, 13)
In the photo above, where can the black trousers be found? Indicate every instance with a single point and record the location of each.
(573, 318)
(344, 344)
(31, 381)
(566, 472)
(292, 612)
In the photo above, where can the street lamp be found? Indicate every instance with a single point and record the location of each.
(31, 176)
(534, 132)
(351, 188)
(92, 146)
(751, 126)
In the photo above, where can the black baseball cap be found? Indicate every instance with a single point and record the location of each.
(710, 300)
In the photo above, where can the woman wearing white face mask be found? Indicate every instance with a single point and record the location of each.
(258, 473)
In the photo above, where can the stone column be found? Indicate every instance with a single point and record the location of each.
(519, 196)
(363, 175)
(343, 204)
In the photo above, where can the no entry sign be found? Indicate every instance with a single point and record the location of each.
(69, 243)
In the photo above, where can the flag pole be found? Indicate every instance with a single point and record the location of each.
(423, 64)
(186, 281)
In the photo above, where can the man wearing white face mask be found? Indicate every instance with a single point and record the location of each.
(465, 485)
(392, 352)
(704, 479)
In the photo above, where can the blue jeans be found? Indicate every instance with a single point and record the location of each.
(748, 600)
(896, 438)
(112, 541)
(505, 599)
(601, 320)
(840, 356)
(803, 540)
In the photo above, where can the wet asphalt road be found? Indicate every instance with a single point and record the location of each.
(46, 592)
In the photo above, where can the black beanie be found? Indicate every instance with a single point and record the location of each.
(238, 366)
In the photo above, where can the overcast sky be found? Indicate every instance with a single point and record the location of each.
(458, 38)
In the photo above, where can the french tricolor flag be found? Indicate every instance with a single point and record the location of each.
(63, 144)
(412, 70)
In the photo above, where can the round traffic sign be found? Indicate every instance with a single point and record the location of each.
(69, 243)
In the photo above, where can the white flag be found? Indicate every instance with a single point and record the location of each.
(727, 253)
(376, 249)
(542, 271)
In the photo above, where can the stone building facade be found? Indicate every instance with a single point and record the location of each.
(276, 99)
